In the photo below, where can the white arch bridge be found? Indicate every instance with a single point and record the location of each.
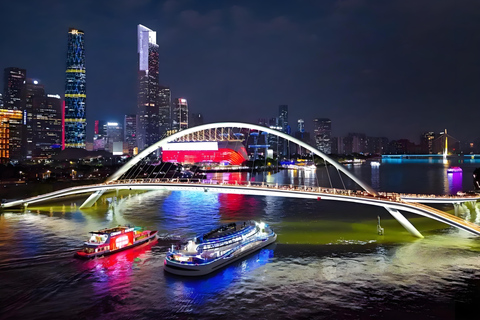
(132, 177)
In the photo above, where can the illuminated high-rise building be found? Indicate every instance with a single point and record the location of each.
(48, 127)
(75, 120)
(14, 99)
(148, 113)
(8, 119)
(322, 128)
(35, 101)
(14, 88)
(130, 132)
(180, 115)
(165, 108)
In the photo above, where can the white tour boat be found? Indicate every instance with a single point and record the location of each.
(219, 247)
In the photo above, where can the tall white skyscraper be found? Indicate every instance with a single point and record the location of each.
(148, 114)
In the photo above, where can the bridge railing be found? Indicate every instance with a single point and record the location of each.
(390, 196)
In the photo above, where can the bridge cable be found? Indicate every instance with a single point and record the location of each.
(341, 179)
(316, 175)
(328, 174)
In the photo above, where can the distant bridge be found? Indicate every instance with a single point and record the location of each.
(132, 177)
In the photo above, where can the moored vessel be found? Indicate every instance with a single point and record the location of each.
(111, 240)
(218, 248)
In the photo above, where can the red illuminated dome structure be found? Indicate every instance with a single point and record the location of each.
(221, 152)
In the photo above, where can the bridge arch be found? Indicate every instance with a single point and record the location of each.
(250, 126)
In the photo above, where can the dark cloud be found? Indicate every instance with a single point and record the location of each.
(386, 68)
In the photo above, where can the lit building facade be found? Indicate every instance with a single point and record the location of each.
(426, 141)
(14, 99)
(35, 101)
(148, 112)
(165, 109)
(75, 121)
(114, 134)
(8, 118)
(283, 146)
(14, 88)
(180, 115)
(47, 127)
(130, 132)
(322, 128)
(221, 152)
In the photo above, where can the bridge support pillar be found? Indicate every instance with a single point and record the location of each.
(404, 222)
(92, 199)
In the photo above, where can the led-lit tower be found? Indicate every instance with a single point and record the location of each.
(323, 132)
(148, 113)
(75, 91)
(180, 115)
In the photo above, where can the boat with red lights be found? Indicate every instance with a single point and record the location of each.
(111, 240)
(218, 248)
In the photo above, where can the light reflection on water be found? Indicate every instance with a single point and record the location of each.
(328, 261)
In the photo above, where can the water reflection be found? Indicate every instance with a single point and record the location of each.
(455, 182)
(198, 290)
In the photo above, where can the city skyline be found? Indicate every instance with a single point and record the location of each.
(387, 70)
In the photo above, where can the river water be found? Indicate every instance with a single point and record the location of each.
(328, 261)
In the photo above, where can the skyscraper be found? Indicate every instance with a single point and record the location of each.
(130, 133)
(75, 91)
(148, 112)
(283, 145)
(47, 127)
(180, 115)
(8, 119)
(35, 101)
(14, 99)
(323, 132)
(165, 109)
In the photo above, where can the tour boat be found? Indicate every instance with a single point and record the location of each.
(454, 169)
(217, 248)
(111, 240)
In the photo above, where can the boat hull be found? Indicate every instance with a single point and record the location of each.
(193, 270)
(83, 255)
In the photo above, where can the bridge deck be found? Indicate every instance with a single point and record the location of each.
(383, 199)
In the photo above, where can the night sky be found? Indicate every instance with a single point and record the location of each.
(391, 68)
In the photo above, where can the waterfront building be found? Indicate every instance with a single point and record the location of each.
(323, 131)
(180, 115)
(148, 112)
(14, 88)
(100, 135)
(130, 132)
(8, 119)
(47, 127)
(35, 101)
(283, 145)
(301, 135)
(273, 141)
(377, 145)
(165, 109)
(355, 143)
(426, 142)
(75, 122)
(14, 99)
(213, 152)
(114, 135)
